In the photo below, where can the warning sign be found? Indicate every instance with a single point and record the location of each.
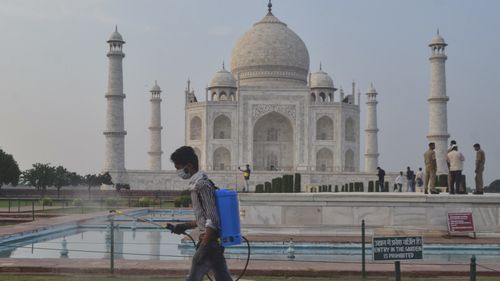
(397, 248)
(460, 222)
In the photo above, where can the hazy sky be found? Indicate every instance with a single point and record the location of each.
(53, 70)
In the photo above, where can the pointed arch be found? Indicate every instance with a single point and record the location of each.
(223, 96)
(324, 128)
(222, 127)
(349, 130)
(222, 159)
(273, 143)
(322, 97)
(195, 128)
(324, 160)
(349, 161)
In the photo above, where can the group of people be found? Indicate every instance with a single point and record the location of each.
(413, 180)
(455, 160)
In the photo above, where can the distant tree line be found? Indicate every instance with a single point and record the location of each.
(42, 176)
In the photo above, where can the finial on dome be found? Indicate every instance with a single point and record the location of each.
(438, 31)
(223, 66)
(116, 28)
(320, 67)
(269, 6)
(156, 83)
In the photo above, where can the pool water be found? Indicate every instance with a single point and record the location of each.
(160, 244)
(138, 240)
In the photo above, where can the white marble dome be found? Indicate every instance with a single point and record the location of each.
(321, 79)
(223, 79)
(115, 37)
(437, 40)
(156, 88)
(270, 51)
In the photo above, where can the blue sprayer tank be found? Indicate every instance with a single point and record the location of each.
(229, 216)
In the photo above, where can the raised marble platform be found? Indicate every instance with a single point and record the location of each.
(342, 213)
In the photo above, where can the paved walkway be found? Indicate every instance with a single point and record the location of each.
(262, 268)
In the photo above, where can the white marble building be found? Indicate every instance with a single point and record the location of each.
(268, 110)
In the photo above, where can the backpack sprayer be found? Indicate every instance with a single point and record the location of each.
(229, 218)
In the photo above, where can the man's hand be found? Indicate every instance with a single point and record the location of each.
(178, 228)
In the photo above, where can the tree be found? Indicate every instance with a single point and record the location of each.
(105, 178)
(9, 170)
(61, 178)
(41, 176)
(91, 180)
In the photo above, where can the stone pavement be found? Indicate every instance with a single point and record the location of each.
(255, 268)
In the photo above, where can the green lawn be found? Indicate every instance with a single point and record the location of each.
(140, 278)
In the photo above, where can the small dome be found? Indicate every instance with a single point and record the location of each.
(116, 36)
(371, 90)
(437, 40)
(224, 79)
(321, 79)
(156, 88)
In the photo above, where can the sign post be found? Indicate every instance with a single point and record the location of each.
(397, 248)
(461, 222)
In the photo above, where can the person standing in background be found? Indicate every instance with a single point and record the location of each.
(381, 175)
(430, 169)
(246, 176)
(479, 169)
(419, 179)
(410, 178)
(399, 182)
(452, 143)
(456, 160)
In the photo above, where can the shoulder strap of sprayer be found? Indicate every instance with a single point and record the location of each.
(212, 184)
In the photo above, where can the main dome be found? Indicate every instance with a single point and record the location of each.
(270, 51)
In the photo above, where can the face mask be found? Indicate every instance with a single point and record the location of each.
(183, 174)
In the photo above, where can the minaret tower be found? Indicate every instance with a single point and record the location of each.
(438, 120)
(155, 130)
(115, 130)
(371, 132)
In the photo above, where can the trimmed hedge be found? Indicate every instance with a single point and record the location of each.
(268, 187)
(277, 185)
(297, 183)
(288, 183)
(259, 188)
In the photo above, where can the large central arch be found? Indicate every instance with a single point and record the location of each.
(273, 143)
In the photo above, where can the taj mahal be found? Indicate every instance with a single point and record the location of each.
(268, 110)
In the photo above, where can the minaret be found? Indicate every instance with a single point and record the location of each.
(438, 120)
(115, 130)
(155, 130)
(371, 131)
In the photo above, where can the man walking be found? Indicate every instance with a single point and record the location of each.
(209, 254)
(430, 169)
(381, 175)
(456, 160)
(246, 175)
(479, 169)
